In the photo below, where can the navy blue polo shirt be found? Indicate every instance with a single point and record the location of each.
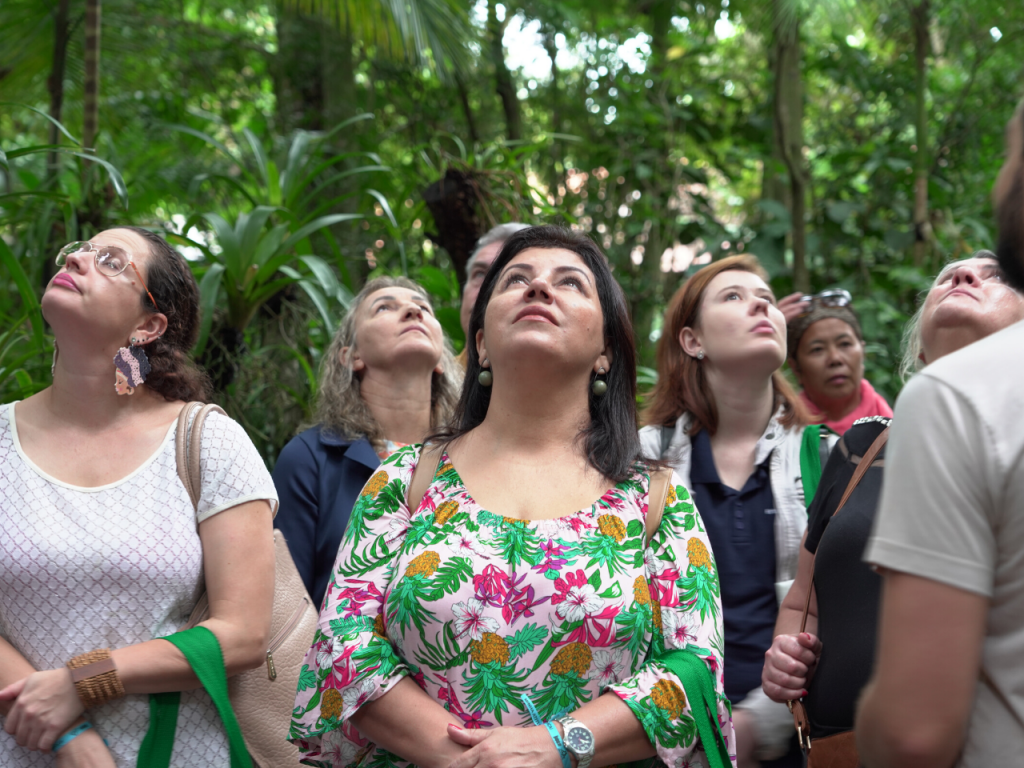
(741, 527)
(318, 477)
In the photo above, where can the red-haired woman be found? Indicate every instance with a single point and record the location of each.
(727, 421)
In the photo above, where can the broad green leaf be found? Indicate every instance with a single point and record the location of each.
(209, 290)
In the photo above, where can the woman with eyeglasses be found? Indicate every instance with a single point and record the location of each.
(826, 354)
(103, 551)
(724, 417)
(830, 661)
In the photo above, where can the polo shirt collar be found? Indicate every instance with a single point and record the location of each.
(360, 450)
(702, 469)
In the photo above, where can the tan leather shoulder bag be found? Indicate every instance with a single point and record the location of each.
(263, 698)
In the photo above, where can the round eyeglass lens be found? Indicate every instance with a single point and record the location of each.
(111, 260)
(76, 247)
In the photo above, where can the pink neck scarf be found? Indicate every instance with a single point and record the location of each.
(871, 404)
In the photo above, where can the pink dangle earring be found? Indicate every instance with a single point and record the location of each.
(131, 366)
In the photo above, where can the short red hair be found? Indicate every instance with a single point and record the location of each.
(682, 385)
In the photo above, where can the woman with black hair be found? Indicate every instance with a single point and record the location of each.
(103, 551)
(517, 590)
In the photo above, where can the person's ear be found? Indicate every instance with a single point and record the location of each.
(690, 342)
(481, 345)
(152, 327)
(349, 356)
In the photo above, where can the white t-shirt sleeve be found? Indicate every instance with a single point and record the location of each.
(935, 518)
(232, 469)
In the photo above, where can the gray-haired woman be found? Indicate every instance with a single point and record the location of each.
(387, 379)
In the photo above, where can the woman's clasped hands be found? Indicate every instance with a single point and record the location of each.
(789, 664)
(45, 705)
(505, 747)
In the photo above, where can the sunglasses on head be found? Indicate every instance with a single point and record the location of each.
(111, 260)
(834, 298)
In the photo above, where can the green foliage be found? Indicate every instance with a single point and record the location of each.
(287, 148)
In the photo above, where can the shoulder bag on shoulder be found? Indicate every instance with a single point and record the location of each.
(838, 750)
(263, 698)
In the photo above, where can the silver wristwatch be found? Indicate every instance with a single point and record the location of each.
(578, 739)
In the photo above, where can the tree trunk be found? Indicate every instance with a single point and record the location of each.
(502, 77)
(55, 83)
(923, 235)
(467, 110)
(554, 176)
(298, 78)
(788, 133)
(90, 107)
(338, 74)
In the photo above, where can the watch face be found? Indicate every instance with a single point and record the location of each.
(579, 740)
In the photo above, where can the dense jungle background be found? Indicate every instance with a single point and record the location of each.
(293, 150)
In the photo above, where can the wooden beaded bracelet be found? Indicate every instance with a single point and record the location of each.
(95, 677)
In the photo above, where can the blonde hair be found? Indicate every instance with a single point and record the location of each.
(340, 408)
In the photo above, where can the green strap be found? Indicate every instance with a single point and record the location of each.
(810, 462)
(158, 744)
(203, 652)
(699, 686)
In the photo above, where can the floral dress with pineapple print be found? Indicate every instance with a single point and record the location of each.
(483, 611)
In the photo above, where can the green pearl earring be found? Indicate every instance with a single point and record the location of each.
(485, 377)
(599, 386)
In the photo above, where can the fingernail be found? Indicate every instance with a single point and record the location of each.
(804, 693)
(456, 727)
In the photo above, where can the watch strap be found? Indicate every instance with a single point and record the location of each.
(582, 758)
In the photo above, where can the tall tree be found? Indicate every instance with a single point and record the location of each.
(91, 108)
(788, 131)
(920, 18)
(55, 82)
(503, 82)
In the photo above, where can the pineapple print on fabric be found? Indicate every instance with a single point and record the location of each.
(482, 611)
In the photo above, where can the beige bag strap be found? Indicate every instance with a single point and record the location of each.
(188, 438)
(426, 468)
(657, 493)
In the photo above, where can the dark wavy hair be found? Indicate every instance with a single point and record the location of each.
(170, 280)
(611, 442)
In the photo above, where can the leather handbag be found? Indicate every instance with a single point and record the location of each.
(840, 749)
(263, 698)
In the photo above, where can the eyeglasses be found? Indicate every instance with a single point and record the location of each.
(835, 298)
(111, 260)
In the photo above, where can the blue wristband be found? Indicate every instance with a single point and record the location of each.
(62, 742)
(559, 744)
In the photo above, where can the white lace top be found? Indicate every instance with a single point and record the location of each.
(115, 565)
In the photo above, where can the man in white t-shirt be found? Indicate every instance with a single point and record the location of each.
(948, 685)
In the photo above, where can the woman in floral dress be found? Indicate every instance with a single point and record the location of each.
(451, 616)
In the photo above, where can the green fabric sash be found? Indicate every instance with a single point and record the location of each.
(203, 652)
(699, 686)
(810, 462)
